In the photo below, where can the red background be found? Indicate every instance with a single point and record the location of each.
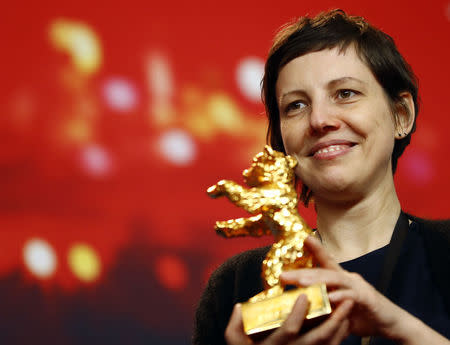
(146, 217)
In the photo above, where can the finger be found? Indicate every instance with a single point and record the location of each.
(337, 296)
(292, 325)
(341, 333)
(310, 276)
(327, 331)
(234, 333)
(320, 254)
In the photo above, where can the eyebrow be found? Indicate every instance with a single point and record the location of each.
(338, 81)
(330, 84)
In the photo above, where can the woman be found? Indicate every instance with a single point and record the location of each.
(342, 100)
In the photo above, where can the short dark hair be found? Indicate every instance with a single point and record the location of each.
(337, 29)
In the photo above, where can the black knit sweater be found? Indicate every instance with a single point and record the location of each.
(239, 278)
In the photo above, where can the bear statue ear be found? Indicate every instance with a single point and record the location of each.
(268, 150)
(258, 156)
(292, 162)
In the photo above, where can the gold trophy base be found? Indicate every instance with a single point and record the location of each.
(265, 315)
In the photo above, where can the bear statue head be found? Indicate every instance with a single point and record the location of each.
(270, 167)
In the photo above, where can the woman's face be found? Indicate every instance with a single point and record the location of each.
(336, 120)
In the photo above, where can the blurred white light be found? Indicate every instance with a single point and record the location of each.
(177, 147)
(120, 94)
(40, 258)
(95, 160)
(249, 74)
(159, 75)
(160, 87)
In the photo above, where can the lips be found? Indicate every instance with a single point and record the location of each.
(330, 148)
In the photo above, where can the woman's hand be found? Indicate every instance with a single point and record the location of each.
(330, 332)
(360, 310)
(372, 314)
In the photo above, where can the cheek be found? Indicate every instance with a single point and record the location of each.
(377, 130)
(384, 126)
(293, 135)
(378, 122)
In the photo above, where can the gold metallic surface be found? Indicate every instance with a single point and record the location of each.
(270, 313)
(272, 199)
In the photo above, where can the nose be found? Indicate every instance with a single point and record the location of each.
(323, 118)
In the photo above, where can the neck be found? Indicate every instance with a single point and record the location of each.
(351, 229)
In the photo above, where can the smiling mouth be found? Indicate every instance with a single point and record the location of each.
(331, 150)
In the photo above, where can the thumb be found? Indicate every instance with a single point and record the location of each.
(234, 334)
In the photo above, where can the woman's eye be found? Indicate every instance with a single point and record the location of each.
(345, 94)
(297, 105)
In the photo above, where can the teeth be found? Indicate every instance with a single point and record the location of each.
(331, 148)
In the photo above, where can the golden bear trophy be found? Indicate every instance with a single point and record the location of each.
(272, 199)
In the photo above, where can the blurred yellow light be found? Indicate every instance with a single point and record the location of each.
(84, 262)
(77, 130)
(224, 112)
(79, 41)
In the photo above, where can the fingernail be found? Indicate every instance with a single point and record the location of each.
(303, 299)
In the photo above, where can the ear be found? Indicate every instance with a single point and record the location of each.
(404, 115)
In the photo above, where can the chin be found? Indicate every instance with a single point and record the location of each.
(334, 179)
(334, 188)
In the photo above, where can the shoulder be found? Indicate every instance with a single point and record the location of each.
(241, 273)
(238, 276)
(436, 238)
(433, 229)
(244, 260)
(236, 280)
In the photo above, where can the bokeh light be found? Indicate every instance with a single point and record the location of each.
(161, 88)
(96, 161)
(177, 146)
(84, 262)
(249, 74)
(159, 75)
(120, 94)
(172, 272)
(40, 258)
(79, 41)
(224, 113)
(418, 167)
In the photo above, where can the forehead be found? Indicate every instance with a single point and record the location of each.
(318, 69)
